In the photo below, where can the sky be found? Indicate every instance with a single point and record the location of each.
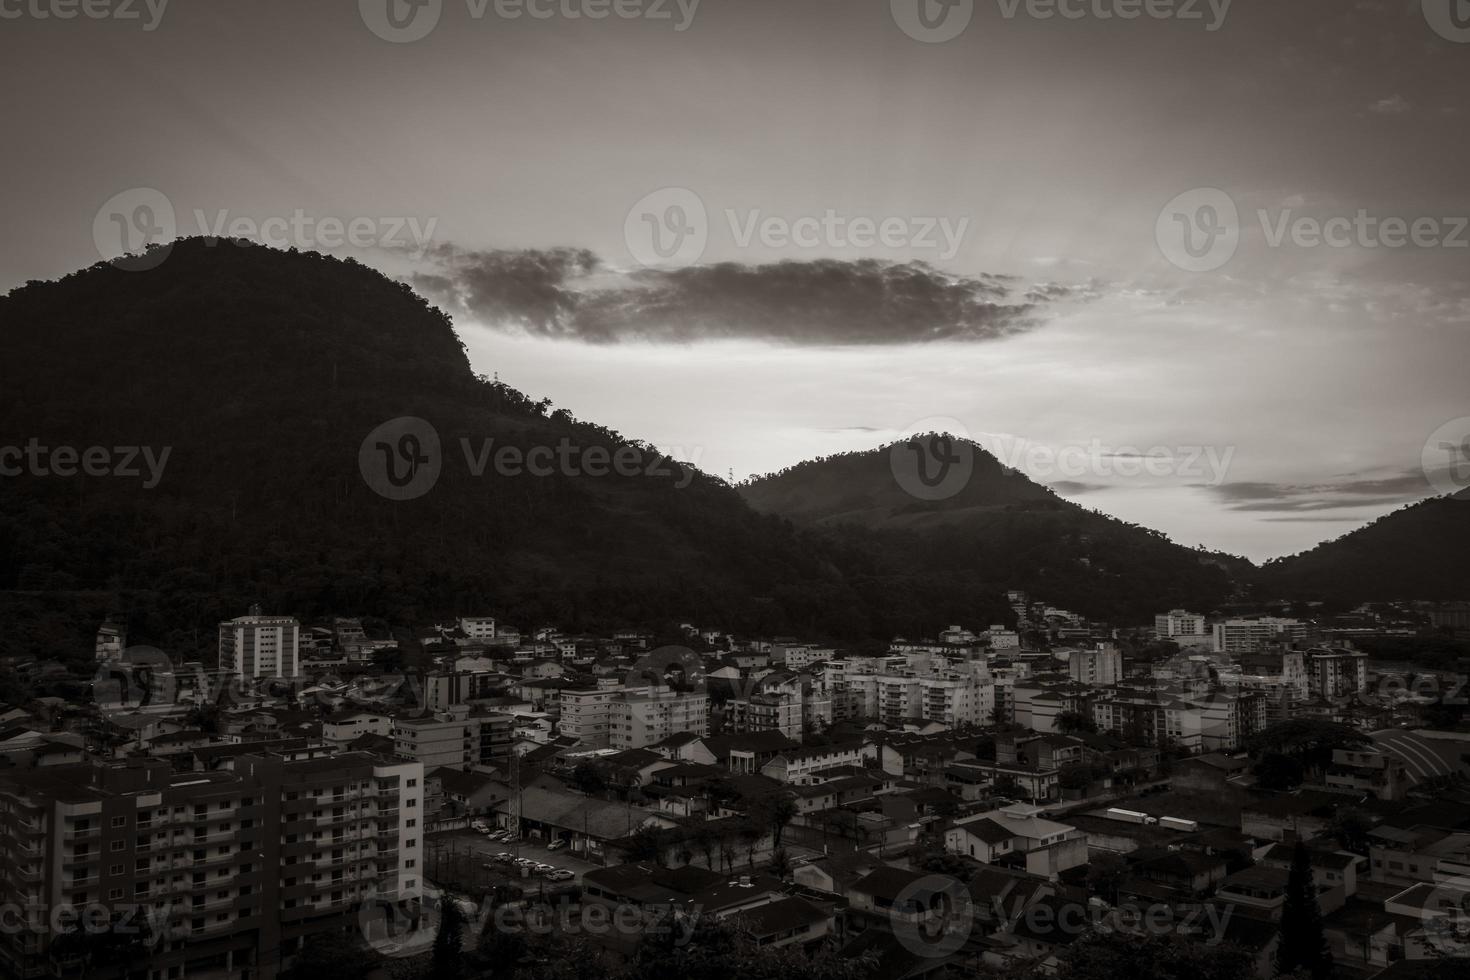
(1203, 268)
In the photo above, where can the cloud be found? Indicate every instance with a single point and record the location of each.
(1395, 105)
(572, 294)
(1404, 487)
(1074, 488)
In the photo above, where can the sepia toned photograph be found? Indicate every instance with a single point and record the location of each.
(735, 490)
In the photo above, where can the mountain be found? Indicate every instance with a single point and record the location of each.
(262, 373)
(996, 529)
(1417, 552)
(223, 417)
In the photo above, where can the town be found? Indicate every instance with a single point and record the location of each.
(341, 797)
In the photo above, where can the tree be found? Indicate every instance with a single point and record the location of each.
(750, 835)
(1303, 945)
(1078, 776)
(332, 956)
(1109, 956)
(780, 811)
(780, 863)
(646, 844)
(1105, 874)
(1277, 771)
(447, 962)
(589, 779)
(1349, 826)
(1072, 722)
(1309, 741)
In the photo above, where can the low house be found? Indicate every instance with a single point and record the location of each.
(1018, 833)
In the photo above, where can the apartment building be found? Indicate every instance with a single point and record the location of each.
(1228, 720)
(586, 715)
(1249, 635)
(456, 738)
(1408, 856)
(778, 711)
(260, 646)
(230, 871)
(1179, 622)
(477, 627)
(1002, 638)
(446, 689)
(913, 688)
(1099, 667)
(802, 766)
(642, 717)
(1364, 771)
(1280, 675)
(1152, 718)
(1336, 673)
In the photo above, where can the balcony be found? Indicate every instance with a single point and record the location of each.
(83, 833)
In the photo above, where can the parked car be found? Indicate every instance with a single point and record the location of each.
(504, 857)
(561, 874)
(479, 826)
(557, 844)
(543, 869)
(524, 863)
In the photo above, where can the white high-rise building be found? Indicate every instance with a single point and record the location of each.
(1099, 667)
(261, 646)
(1247, 635)
(1178, 622)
